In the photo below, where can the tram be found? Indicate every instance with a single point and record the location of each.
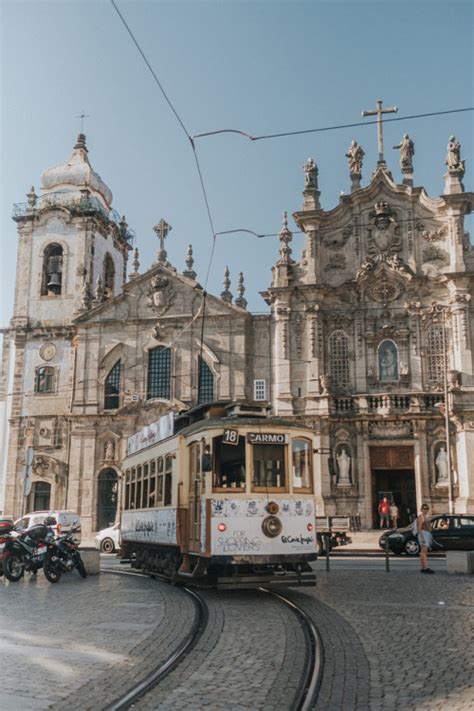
(221, 496)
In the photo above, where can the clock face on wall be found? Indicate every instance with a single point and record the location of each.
(47, 351)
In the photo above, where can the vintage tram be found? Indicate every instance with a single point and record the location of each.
(221, 495)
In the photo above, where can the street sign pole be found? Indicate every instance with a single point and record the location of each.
(27, 481)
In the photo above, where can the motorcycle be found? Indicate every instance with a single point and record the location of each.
(62, 556)
(25, 552)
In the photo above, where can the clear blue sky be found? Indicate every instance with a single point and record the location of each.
(261, 66)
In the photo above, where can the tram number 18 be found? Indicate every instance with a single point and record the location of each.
(231, 437)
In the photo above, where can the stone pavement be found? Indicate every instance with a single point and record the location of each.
(416, 633)
(391, 641)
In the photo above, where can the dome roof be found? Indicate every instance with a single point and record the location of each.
(75, 174)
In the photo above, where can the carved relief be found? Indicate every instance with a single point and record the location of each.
(161, 294)
(433, 235)
(434, 254)
(338, 240)
(384, 232)
(336, 262)
(391, 429)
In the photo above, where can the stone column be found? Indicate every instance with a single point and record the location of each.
(465, 469)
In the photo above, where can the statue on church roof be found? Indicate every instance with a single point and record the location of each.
(355, 154)
(310, 175)
(407, 151)
(453, 158)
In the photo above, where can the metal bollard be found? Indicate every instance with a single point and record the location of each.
(327, 547)
(387, 559)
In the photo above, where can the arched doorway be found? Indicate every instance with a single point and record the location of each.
(107, 494)
(40, 496)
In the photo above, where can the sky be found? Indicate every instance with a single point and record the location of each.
(264, 66)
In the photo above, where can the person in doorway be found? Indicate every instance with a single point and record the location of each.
(425, 538)
(384, 513)
(394, 514)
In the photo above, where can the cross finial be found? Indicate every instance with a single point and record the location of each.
(162, 229)
(378, 112)
(82, 116)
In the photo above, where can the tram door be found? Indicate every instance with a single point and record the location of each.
(194, 512)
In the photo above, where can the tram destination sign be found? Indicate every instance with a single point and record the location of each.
(267, 438)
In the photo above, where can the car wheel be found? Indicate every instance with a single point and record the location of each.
(412, 547)
(107, 545)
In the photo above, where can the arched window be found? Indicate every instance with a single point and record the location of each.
(339, 358)
(159, 373)
(388, 361)
(44, 379)
(109, 276)
(206, 382)
(435, 354)
(112, 387)
(52, 275)
(107, 494)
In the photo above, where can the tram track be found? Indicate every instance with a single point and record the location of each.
(140, 689)
(306, 697)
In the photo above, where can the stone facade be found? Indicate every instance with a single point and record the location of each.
(353, 345)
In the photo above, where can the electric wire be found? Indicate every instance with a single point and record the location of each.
(322, 129)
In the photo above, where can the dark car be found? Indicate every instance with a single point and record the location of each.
(450, 533)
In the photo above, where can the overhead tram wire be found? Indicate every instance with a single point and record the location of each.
(322, 129)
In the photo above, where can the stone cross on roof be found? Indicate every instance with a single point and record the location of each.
(378, 112)
(162, 229)
(82, 116)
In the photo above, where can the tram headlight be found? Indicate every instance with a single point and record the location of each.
(271, 526)
(310, 526)
(272, 508)
(221, 527)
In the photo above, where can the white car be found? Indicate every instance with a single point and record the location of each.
(107, 540)
(65, 522)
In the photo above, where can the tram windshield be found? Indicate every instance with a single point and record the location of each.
(229, 463)
(269, 466)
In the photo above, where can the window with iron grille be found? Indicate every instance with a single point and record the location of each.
(435, 354)
(206, 382)
(44, 380)
(159, 373)
(259, 390)
(339, 358)
(112, 387)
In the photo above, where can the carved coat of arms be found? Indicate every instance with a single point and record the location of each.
(161, 293)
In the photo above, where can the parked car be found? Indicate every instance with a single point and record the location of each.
(107, 540)
(450, 532)
(65, 522)
(6, 530)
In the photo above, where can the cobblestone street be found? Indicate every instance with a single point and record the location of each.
(391, 641)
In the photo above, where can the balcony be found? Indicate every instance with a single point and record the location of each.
(76, 205)
(385, 403)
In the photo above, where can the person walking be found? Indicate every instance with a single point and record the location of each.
(425, 538)
(384, 513)
(394, 514)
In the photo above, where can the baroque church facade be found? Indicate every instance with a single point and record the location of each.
(369, 340)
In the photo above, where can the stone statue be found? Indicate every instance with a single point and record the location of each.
(310, 175)
(85, 296)
(99, 289)
(355, 155)
(442, 464)
(109, 450)
(388, 361)
(324, 381)
(407, 151)
(344, 466)
(453, 158)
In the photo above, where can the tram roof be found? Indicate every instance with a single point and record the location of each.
(231, 422)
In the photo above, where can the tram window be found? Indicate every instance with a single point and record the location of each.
(138, 489)
(159, 497)
(168, 481)
(132, 488)
(302, 464)
(145, 486)
(127, 490)
(194, 463)
(229, 464)
(269, 466)
(152, 488)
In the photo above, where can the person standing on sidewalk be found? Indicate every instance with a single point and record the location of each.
(394, 514)
(384, 513)
(424, 538)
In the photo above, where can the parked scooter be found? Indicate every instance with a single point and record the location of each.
(25, 552)
(62, 556)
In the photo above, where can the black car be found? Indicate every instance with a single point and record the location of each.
(450, 532)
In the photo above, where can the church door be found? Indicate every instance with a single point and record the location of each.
(107, 492)
(393, 477)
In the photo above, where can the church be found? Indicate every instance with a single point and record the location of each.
(368, 340)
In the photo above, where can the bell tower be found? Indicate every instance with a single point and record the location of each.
(73, 246)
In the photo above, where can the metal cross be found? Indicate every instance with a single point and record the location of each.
(378, 112)
(82, 117)
(162, 229)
